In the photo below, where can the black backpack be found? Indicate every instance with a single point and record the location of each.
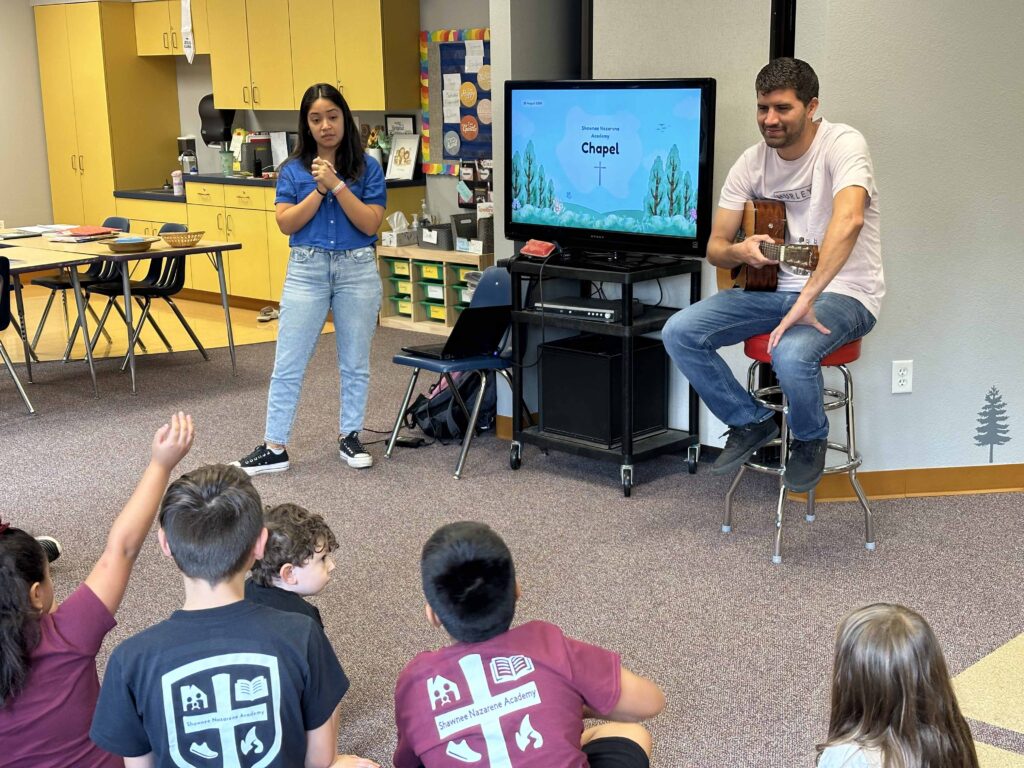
(438, 413)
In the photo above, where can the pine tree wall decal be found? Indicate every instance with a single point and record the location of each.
(993, 428)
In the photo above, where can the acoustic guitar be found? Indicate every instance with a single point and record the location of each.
(768, 217)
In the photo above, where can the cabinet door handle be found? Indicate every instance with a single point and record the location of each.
(74, 167)
(81, 164)
(255, 94)
(220, 226)
(227, 219)
(165, 41)
(174, 40)
(245, 94)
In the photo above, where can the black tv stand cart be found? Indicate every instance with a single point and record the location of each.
(627, 270)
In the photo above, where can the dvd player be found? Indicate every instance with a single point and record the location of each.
(603, 310)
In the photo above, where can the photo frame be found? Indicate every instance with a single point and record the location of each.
(402, 160)
(400, 124)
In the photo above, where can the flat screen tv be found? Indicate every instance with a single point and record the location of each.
(610, 165)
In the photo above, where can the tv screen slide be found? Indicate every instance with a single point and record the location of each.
(613, 160)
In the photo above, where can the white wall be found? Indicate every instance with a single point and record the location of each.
(933, 86)
(24, 176)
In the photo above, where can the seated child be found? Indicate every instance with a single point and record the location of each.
(510, 696)
(223, 681)
(296, 562)
(48, 681)
(893, 704)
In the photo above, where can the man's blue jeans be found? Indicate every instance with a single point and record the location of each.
(693, 336)
(347, 283)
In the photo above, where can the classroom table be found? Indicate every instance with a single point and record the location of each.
(40, 254)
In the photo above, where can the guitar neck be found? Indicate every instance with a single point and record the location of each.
(771, 251)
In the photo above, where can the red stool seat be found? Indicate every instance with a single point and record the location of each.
(756, 348)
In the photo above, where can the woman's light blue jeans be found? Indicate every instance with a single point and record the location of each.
(693, 336)
(347, 283)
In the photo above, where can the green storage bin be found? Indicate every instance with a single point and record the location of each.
(402, 286)
(402, 305)
(432, 291)
(435, 311)
(398, 267)
(432, 271)
(461, 271)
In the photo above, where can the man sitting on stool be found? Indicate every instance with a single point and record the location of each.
(822, 172)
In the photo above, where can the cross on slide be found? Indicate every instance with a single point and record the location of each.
(225, 719)
(486, 710)
(599, 169)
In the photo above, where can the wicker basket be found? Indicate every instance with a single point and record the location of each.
(182, 239)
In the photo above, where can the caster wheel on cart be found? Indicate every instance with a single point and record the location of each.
(692, 457)
(627, 481)
(515, 457)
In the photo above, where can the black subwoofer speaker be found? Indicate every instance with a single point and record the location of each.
(581, 388)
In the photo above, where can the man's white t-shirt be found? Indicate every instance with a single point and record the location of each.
(837, 158)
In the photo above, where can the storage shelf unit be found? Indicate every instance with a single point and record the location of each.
(424, 287)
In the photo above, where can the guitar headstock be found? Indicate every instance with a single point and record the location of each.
(801, 258)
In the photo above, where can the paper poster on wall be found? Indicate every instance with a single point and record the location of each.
(467, 108)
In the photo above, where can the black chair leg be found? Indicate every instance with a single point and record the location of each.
(187, 327)
(401, 412)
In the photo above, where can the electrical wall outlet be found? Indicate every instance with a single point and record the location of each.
(902, 376)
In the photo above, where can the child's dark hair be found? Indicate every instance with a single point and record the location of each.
(891, 690)
(469, 581)
(22, 564)
(349, 160)
(294, 535)
(212, 518)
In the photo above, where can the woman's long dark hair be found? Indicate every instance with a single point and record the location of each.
(22, 563)
(348, 157)
(891, 691)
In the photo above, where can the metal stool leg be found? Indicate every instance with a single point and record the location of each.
(777, 552)
(809, 514)
(401, 412)
(727, 522)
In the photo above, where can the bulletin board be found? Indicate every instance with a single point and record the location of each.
(457, 61)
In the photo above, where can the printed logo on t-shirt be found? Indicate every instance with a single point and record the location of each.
(486, 709)
(224, 711)
(793, 195)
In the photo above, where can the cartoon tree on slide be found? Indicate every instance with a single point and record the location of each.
(549, 199)
(655, 203)
(689, 199)
(672, 182)
(993, 429)
(530, 173)
(517, 179)
(538, 200)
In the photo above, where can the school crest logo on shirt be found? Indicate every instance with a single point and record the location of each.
(224, 710)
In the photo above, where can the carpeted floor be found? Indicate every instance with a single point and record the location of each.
(741, 647)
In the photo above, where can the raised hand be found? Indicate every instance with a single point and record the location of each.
(173, 440)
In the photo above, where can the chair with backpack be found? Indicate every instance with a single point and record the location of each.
(5, 320)
(446, 414)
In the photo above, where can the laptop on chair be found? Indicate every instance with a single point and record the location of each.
(478, 331)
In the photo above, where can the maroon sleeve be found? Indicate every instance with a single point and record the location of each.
(596, 674)
(82, 621)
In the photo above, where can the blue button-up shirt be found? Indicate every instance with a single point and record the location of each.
(330, 228)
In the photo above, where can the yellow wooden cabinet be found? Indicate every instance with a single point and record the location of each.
(278, 251)
(210, 220)
(312, 63)
(94, 89)
(377, 49)
(158, 27)
(250, 54)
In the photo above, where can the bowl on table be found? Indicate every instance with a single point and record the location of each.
(182, 239)
(131, 244)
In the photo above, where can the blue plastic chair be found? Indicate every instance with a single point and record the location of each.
(493, 290)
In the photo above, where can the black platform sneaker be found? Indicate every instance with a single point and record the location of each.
(262, 460)
(352, 451)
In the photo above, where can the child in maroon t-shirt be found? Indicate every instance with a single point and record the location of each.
(516, 697)
(48, 681)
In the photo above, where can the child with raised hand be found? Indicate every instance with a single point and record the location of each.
(223, 681)
(893, 704)
(48, 680)
(510, 696)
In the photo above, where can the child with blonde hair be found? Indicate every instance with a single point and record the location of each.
(893, 704)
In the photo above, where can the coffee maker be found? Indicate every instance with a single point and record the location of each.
(187, 154)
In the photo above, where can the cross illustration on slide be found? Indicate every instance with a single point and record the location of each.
(600, 168)
(224, 720)
(485, 711)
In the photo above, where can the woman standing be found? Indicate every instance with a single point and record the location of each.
(330, 202)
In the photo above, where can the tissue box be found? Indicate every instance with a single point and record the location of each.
(398, 239)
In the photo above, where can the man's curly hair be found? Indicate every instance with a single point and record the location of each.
(295, 535)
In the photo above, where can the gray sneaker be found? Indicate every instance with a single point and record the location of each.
(741, 444)
(805, 465)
